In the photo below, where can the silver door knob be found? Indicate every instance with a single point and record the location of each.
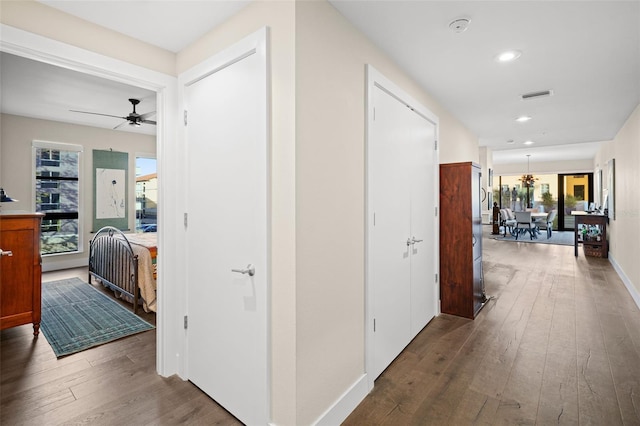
(414, 240)
(6, 253)
(250, 269)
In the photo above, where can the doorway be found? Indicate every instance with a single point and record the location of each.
(42, 49)
(575, 193)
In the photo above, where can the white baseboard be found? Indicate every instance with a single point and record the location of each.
(48, 266)
(348, 401)
(633, 291)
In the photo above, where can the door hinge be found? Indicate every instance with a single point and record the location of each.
(436, 278)
(374, 114)
(185, 117)
(186, 322)
(435, 145)
(186, 219)
(436, 210)
(374, 325)
(374, 219)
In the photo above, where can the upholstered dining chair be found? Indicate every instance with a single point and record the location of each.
(524, 223)
(508, 223)
(548, 223)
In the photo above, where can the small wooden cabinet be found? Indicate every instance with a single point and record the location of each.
(461, 285)
(591, 231)
(20, 270)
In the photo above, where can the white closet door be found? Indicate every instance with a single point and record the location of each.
(391, 255)
(401, 169)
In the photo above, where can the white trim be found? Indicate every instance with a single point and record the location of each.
(256, 43)
(348, 401)
(376, 79)
(625, 279)
(64, 264)
(170, 260)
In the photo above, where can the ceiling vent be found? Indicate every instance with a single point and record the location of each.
(534, 95)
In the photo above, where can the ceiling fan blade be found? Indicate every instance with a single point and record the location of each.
(147, 114)
(121, 124)
(97, 113)
(148, 122)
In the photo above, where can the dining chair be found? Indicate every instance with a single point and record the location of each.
(548, 223)
(508, 223)
(524, 224)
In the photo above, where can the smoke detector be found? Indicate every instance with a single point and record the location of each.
(459, 25)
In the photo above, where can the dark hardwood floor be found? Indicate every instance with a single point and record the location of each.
(559, 343)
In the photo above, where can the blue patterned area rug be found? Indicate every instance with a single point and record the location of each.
(562, 238)
(76, 316)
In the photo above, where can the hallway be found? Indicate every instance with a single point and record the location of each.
(559, 343)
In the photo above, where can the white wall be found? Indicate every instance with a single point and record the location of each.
(16, 170)
(330, 181)
(624, 244)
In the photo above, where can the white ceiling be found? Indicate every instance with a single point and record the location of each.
(171, 25)
(38, 90)
(587, 52)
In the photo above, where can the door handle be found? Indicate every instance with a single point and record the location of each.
(6, 253)
(250, 269)
(411, 241)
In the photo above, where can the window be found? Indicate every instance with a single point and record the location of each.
(57, 194)
(146, 193)
(544, 188)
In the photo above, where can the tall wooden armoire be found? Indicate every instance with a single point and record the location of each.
(461, 283)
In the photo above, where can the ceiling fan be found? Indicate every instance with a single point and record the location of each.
(134, 119)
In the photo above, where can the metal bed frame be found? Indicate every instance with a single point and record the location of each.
(113, 263)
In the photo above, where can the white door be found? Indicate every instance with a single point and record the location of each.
(422, 167)
(401, 170)
(227, 334)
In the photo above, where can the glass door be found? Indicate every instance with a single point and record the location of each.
(575, 194)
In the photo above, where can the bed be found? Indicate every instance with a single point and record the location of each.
(125, 264)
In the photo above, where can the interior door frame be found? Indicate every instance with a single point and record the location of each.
(39, 48)
(255, 43)
(376, 79)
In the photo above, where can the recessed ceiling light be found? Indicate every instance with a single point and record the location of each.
(528, 142)
(508, 56)
(523, 119)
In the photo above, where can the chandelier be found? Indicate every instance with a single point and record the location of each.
(528, 181)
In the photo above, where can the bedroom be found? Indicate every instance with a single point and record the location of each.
(39, 128)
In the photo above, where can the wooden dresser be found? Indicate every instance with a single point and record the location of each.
(20, 269)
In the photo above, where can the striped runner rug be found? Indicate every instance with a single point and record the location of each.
(76, 316)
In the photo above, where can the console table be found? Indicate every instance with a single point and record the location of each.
(596, 247)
